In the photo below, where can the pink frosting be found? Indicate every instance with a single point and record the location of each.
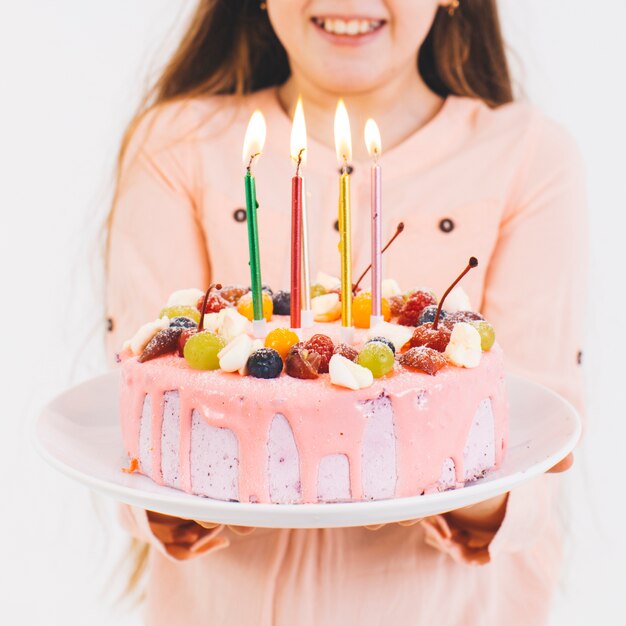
(433, 417)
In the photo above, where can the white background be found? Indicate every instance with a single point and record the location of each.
(71, 73)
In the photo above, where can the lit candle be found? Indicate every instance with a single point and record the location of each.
(373, 143)
(343, 146)
(298, 152)
(252, 148)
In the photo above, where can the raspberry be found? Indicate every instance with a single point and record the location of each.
(347, 351)
(323, 345)
(413, 307)
(425, 335)
(214, 304)
(423, 359)
(395, 304)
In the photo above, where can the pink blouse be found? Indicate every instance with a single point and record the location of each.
(504, 185)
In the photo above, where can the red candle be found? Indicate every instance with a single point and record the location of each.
(298, 150)
(296, 248)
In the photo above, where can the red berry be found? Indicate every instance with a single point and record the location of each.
(425, 335)
(413, 307)
(214, 304)
(182, 339)
(423, 359)
(302, 363)
(324, 346)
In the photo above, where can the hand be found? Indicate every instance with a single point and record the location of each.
(488, 514)
(238, 530)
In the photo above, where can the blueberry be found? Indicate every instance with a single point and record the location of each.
(384, 340)
(182, 322)
(428, 314)
(267, 289)
(282, 302)
(265, 363)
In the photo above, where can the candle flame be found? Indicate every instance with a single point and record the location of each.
(343, 139)
(372, 138)
(298, 134)
(255, 138)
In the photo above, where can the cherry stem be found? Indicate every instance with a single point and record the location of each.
(399, 229)
(473, 262)
(206, 299)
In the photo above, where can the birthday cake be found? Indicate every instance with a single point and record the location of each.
(414, 405)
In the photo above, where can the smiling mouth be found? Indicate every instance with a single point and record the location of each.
(348, 27)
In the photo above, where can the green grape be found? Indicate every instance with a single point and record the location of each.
(181, 311)
(317, 290)
(486, 332)
(201, 350)
(377, 357)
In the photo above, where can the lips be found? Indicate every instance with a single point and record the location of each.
(348, 28)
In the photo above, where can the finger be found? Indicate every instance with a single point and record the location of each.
(242, 530)
(374, 526)
(207, 525)
(563, 465)
(410, 522)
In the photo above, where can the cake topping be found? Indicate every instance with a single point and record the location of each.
(384, 340)
(458, 300)
(429, 313)
(185, 297)
(413, 307)
(346, 373)
(398, 335)
(423, 359)
(181, 311)
(245, 306)
(348, 351)
(183, 322)
(377, 357)
(164, 342)
(324, 346)
(201, 350)
(326, 308)
(464, 347)
(282, 302)
(430, 337)
(281, 340)
(327, 281)
(486, 332)
(362, 309)
(265, 363)
(145, 333)
(473, 262)
(231, 324)
(234, 356)
(390, 288)
(302, 363)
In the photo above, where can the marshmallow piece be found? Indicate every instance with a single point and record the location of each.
(464, 349)
(326, 308)
(142, 337)
(257, 344)
(232, 324)
(212, 321)
(458, 300)
(390, 288)
(327, 281)
(346, 373)
(185, 297)
(235, 354)
(396, 333)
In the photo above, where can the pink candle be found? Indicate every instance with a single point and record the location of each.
(373, 143)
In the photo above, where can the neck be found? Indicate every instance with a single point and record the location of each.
(400, 107)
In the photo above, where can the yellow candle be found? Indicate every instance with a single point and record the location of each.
(343, 144)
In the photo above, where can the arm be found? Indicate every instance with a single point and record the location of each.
(156, 245)
(535, 298)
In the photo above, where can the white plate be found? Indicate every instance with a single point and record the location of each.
(79, 434)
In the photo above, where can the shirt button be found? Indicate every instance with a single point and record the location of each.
(240, 215)
(110, 324)
(446, 225)
(579, 357)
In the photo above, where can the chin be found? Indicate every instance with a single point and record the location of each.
(349, 78)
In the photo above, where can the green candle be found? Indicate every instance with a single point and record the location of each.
(252, 148)
(253, 245)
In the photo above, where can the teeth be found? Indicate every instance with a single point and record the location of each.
(352, 28)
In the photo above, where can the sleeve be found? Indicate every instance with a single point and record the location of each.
(156, 243)
(177, 539)
(155, 246)
(535, 297)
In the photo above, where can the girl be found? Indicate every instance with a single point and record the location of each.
(468, 171)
